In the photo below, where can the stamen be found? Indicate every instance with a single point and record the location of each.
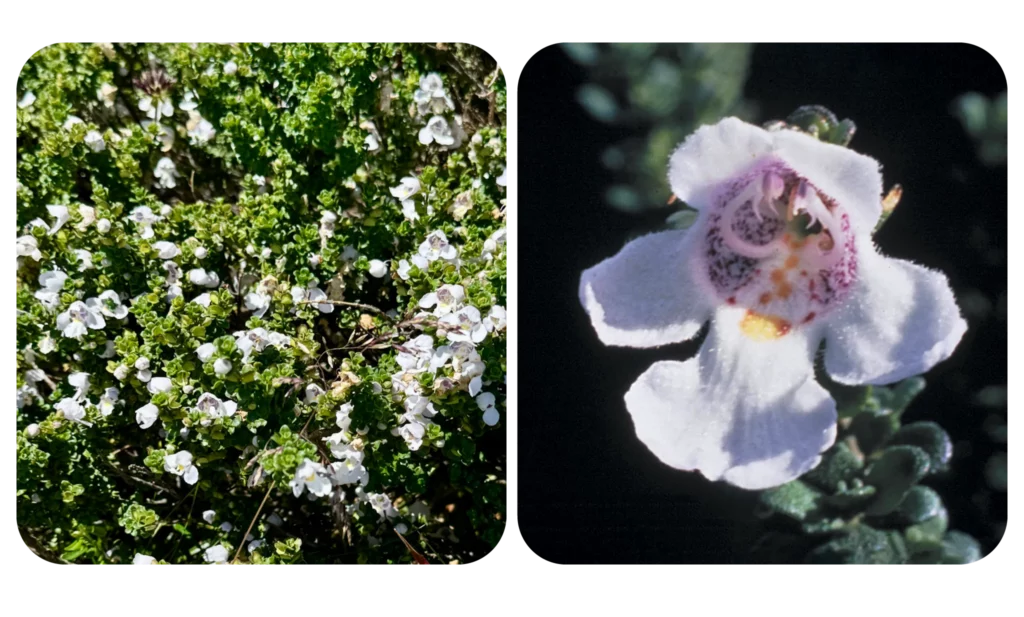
(752, 195)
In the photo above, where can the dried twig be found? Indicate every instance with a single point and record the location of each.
(238, 551)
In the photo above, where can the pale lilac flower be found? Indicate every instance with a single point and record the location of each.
(166, 173)
(381, 504)
(180, 464)
(216, 553)
(780, 259)
(431, 97)
(436, 246)
(79, 319)
(201, 277)
(378, 268)
(447, 299)
(206, 351)
(28, 246)
(166, 250)
(486, 402)
(143, 560)
(60, 215)
(438, 130)
(27, 100)
(464, 324)
(108, 401)
(94, 141)
(230, 67)
(51, 283)
(157, 385)
(156, 108)
(211, 407)
(222, 366)
(72, 410)
(200, 130)
(144, 218)
(109, 303)
(258, 303)
(496, 319)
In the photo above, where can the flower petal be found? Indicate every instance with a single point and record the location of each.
(852, 179)
(742, 410)
(900, 320)
(645, 295)
(712, 155)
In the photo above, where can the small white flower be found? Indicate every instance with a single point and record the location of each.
(180, 464)
(780, 259)
(78, 319)
(202, 300)
(88, 214)
(143, 560)
(486, 402)
(166, 250)
(506, 178)
(144, 375)
(94, 140)
(496, 319)
(121, 372)
(144, 218)
(107, 94)
(216, 553)
(258, 303)
(51, 283)
(230, 67)
(315, 296)
(465, 325)
(206, 351)
(403, 269)
(166, 173)
(349, 469)
(407, 187)
(47, 344)
(71, 121)
(28, 246)
(222, 366)
(200, 130)
(378, 268)
(84, 259)
(200, 252)
(313, 392)
(72, 410)
(103, 225)
(26, 100)
(157, 385)
(212, 407)
(108, 401)
(381, 504)
(501, 180)
(209, 516)
(436, 246)
(312, 476)
(109, 350)
(156, 108)
(147, 415)
(430, 97)
(447, 299)
(60, 215)
(201, 277)
(142, 363)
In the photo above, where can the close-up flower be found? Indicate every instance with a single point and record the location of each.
(780, 259)
(180, 464)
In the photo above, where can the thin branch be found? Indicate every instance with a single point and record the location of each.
(350, 304)
(253, 521)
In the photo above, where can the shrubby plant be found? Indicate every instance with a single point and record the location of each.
(261, 296)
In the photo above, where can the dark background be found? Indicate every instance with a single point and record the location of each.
(589, 490)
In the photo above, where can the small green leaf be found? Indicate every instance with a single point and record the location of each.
(898, 469)
(795, 499)
(930, 437)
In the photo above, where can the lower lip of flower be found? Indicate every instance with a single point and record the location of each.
(777, 246)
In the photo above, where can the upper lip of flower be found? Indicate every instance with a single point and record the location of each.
(779, 259)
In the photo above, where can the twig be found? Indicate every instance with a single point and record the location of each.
(343, 303)
(253, 521)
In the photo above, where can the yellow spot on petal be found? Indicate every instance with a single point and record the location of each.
(783, 290)
(778, 276)
(792, 261)
(764, 327)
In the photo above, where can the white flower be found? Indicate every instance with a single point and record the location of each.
(202, 299)
(26, 100)
(206, 351)
(200, 252)
(157, 385)
(51, 282)
(88, 214)
(779, 259)
(72, 410)
(209, 516)
(258, 303)
(180, 464)
(313, 392)
(230, 67)
(47, 344)
(222, 366)
(121, 372)
(144, 375)
(143, 560)
(109, 303)
(506, 178)
(108, 401)
(216, 553)
(315, 296)
(84, 259)
(372, 143)
(94, 140)
(147, 415)
(200, 130)
(166, 250)
(464, 325)
(501, 180)
(142, 363)
(212, 407)
(80, 381)
(164, 134)
(28, 246)
(103, 225)
(144, 218)
(312, 476)
(485, 401)
(438, 130)
(109, 350)
(378, 268)
(71, 121)
(403, 269)
(349, 469)
(447, 299)
(381, 504)
(430, 97)
(166, 173)
(496, 319)
(60, 215)
(201, 277)
(107, 94)
(156, 108)
(78, 319)
(342, 418)
(436, 247)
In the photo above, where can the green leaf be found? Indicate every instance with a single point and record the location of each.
(861, 545)
(930, 437)
(898, 469)
(795, 499)
(958, 547)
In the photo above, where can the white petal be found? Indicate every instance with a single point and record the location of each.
(712, 155)
(900, 320)
(745, 411)
(426, 136)
(852, 179)
(645, 295)
(191, 474)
